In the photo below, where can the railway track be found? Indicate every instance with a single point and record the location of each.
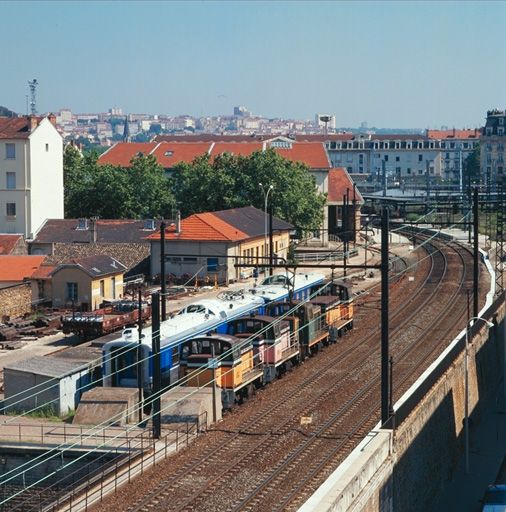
(263, 458)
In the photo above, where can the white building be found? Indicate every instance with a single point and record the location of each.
(492, 155)
(31, 173)
(403, 155)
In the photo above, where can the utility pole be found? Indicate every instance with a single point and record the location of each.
(139, 357)
(271, 242)
(345, 234)
(162, 271)
(475, 253)
(385, 379)
(157, 372)
(384, 177)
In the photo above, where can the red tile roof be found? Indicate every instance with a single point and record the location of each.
(17, 268)
(313, 154)
(236, 148)
(453, 134)
(43, 272)
(16, 127)
(169, 154)
(122, 153)
(202, 226)
(339, 181)
(8, 243)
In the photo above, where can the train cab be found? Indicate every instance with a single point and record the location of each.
(272, 342)
(305, 323)
(336, 305)
(225, 358)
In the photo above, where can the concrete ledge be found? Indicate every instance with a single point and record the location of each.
(340, 491)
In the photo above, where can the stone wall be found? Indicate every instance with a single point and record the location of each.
(15, 301)
(135, 257)
(427, 445)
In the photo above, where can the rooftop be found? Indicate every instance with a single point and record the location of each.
(18, 268)
(96, 266)
(107, 231)
(226, 225)
(47, 366)
(16, 127)
(168, 154)
(339, 182)
(8, 243)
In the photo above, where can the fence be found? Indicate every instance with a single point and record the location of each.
(81, 487)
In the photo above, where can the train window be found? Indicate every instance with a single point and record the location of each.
(175, 354)
(186, 352)
(195, 308)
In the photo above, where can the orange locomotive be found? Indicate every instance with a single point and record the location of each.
(228, 359)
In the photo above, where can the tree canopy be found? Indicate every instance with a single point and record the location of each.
(109, 192)
(229, 181)
(206, 184)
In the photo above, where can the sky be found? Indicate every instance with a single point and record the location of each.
(399, 64)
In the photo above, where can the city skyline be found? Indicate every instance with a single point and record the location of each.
(391, 64)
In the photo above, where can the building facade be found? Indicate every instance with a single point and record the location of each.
(206, 246)
(31, 174)
(403, 156)
(493, 142)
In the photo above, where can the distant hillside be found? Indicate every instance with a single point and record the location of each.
(5, 112)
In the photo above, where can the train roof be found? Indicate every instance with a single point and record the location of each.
(324, 299)
(218, 337)
(262, 318)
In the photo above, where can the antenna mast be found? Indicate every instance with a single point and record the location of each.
(33, 92)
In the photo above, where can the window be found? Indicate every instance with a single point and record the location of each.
(501, 120)
(113, 282)
(10, 209)
(386, 158)
(420, 158)
(102, 288)
(11, 180)
(500, 131)
(397, 158)
(71, 292)
(190, 259)
(408, 170)
(10, 151)
(47, 148)
(212, 264)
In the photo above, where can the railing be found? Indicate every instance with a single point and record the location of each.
(76, 491)
(316, 257)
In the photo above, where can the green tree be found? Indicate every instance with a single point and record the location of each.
(111, 192)
(472, 166)
(229, 181)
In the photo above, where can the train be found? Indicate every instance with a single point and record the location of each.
(256, 349)
(113, 316)
(119, 357)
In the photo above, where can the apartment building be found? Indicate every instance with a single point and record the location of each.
(31, 173)
(402, 155)
(493, 141)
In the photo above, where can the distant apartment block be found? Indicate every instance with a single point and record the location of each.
(493, 141)
(31, 173)
(441, 153)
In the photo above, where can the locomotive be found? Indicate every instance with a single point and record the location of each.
(258, 348)
(120, 357)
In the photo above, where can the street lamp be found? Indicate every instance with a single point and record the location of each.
(266, 196)
(466, 411)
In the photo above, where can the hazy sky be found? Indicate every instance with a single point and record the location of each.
(392, 64)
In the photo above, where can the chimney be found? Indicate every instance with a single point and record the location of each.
(93, 229)
(52, 119)
(454, 131)
(178, 222)
(32, 123)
